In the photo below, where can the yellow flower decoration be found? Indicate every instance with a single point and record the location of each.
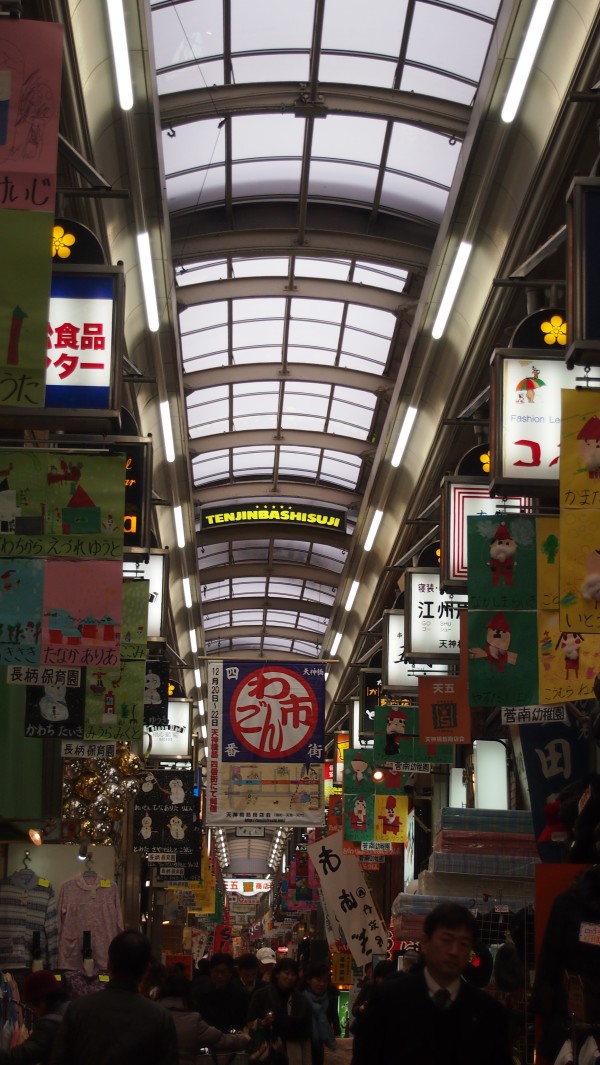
(484, 459)
(62, 242)
(555, 330)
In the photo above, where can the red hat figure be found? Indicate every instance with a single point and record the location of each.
(502, 551)
(498, 641)
(390, 821)
(589, 446)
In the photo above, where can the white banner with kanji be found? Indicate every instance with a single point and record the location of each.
(347, 898)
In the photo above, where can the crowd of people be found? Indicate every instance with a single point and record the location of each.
(271, 1009)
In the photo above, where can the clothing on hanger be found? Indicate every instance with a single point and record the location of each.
(27, 905)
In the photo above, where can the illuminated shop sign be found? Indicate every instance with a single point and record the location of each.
(526, 387)
(432, 620)
(281, 513)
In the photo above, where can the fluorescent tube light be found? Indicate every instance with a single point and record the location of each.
(456, 273)
(336, 643)
(143, 240)
(178, 519)
(526, 59)
(203, 731)
(201, 710)
(403, 435)
(206, 752)
(198, 682)
(187, 592)
(375, 523)
(193, 641)
(167, 428)
(118, 34)
(352, 595)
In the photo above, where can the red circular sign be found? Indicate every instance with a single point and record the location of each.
(273, 712)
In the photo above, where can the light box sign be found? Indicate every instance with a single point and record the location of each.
(174, 739)
(526, 387)
(247, 887)
(431, 618)
(282, 513)
(462, 498)
(396, 673)
(153, 568)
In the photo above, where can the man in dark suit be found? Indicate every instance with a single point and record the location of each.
(431, 1016)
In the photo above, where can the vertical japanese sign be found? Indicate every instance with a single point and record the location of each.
(502, 611)
(81, 341)
(432, 629)
(444, 711)
(30, 72)
(554, 755)
(397, 673)
(580, 512)
(266, 743)
(347, 899)
(164, 820)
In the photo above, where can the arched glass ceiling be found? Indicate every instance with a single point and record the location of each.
(350, 116)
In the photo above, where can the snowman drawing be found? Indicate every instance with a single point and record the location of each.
(177, 792)
(175, 826)
(146, 829)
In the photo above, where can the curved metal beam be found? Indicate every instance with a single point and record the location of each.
(294, 371)
(257, 602)
(281, 97)
(286, 490)
(228, 531)
(198, 236)
(307, 287)
(291, 437)
(285, 632)
(293, 570)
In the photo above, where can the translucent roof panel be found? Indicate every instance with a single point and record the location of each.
(300, 230)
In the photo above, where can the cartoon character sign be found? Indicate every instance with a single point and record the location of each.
(358, 816)
(176, 827)
(497, 645)
(503, 549)
(177, 793)
(569, 644)
(588, 448)
(53, 705)
(395, 728)
(146, 829)
(390, 820)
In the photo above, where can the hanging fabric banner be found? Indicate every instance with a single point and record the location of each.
(266, 743)
(502, 611)
(30, 73)
(347, 898)
(580, 511)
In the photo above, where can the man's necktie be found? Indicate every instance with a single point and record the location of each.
(442, 998)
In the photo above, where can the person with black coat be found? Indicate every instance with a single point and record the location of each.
(281, 1009)
(431, 1015)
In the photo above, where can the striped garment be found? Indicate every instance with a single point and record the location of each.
(27, 905)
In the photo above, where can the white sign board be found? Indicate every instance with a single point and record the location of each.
(432, 618)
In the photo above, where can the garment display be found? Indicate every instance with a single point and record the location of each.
(87, 903)
(27, 905)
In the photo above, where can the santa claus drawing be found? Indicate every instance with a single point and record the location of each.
(502, 556)
(589, 446)
(497, 645)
